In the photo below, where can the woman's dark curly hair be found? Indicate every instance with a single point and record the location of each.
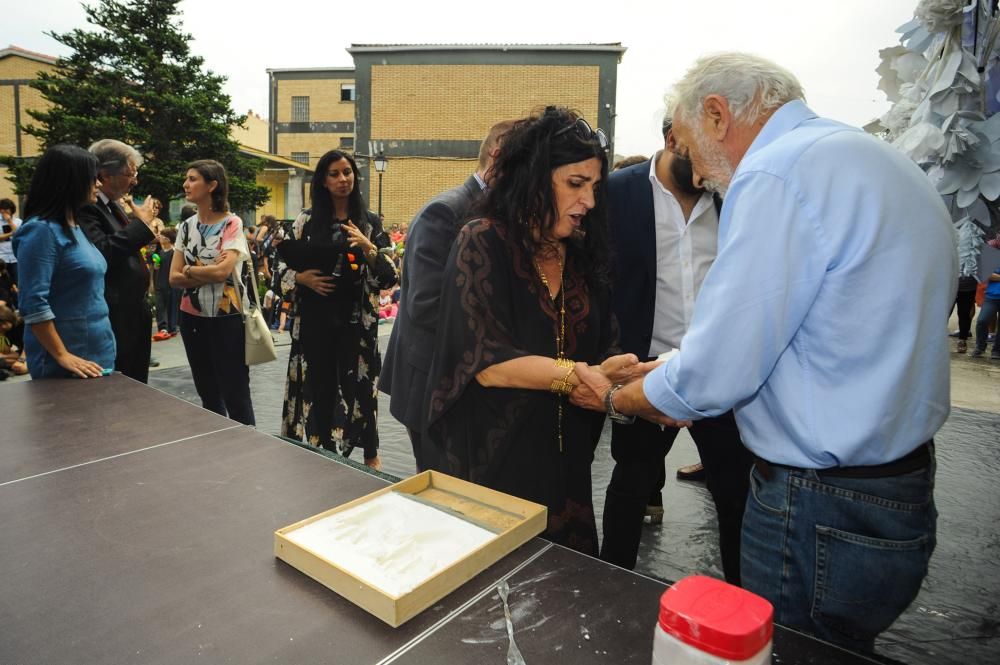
(520, 192)
(322, 205)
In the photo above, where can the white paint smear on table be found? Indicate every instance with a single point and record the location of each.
(392, 542)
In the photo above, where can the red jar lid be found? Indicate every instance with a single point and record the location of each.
(716, 617)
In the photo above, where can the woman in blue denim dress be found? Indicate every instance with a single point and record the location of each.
(67, 330)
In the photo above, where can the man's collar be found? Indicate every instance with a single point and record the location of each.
(479, 179)
(103, 197)
(788, 116)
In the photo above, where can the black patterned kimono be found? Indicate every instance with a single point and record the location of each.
(330, 396)
(493, 309)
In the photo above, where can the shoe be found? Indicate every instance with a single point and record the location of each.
(162, 335)
(996, 354)
(961, 347)
(154, 362)
(655, 514)
(977, 353)
(693, 472)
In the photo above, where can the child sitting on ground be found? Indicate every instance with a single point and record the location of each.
(10, 356)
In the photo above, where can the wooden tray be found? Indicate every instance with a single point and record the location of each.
(515, 522)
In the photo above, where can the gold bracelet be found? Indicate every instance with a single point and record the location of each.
(560, 387)
(565, 363)
(563, 386)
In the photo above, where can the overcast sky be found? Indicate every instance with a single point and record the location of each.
(831, 46)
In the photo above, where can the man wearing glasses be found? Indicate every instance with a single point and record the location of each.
(119, 238)
(665, 230)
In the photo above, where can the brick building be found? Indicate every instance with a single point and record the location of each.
(18, 67)
(429, 107)
(312, 111)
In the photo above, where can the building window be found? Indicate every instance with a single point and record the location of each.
(301, 156)
(347, 143)
(300, 109)
(347, 93)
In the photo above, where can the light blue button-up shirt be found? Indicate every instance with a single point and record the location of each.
(823, 320)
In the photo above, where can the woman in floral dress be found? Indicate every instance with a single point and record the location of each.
(334, 275)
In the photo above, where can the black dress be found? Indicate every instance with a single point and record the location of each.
(333, 364)
(494, 309)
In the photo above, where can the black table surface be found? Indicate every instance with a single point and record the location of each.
(137, 528)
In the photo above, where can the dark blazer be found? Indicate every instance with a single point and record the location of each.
(408, 356)
(127, 279)
(633, 247)
(633, 236)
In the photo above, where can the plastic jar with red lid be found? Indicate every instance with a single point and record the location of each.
(704, 621)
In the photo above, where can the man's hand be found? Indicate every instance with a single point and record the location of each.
(316, 281)
(584, 397)
(626, 368)
(629, 400)
(146, 213)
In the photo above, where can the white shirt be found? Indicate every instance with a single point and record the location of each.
(6, 248)
(685, 250)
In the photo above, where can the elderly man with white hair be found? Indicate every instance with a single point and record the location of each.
(822, 323)
(120, 239)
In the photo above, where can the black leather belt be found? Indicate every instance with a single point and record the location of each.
(918, 458)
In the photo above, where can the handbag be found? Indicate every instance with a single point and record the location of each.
(259, 345)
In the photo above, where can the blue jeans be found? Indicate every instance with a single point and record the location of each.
(840, 558)
(986, 314)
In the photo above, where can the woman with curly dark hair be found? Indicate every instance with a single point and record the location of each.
(525, 295)
(334, 275)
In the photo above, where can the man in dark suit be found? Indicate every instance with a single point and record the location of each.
(665, 233)
(431, 234)
(119, 238)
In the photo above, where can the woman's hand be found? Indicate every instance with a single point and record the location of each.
(81, 367)
(596, 380)
(374, 463)
(359, 239)
(315, 280)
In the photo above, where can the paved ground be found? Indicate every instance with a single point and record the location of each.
(956, 618)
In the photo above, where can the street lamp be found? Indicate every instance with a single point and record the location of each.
(381, 162)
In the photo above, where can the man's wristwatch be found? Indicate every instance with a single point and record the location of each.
(609, 406)
(371, 253)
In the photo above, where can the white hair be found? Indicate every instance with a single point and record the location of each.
(751, 85)
(113, 156)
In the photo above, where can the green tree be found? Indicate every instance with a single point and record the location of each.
(133, 78)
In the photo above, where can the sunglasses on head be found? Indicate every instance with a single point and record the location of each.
(585, 132)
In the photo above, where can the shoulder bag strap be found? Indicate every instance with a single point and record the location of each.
(253, 280)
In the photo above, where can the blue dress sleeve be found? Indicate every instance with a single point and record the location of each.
(37, 250)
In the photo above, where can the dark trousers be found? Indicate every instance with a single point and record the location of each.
(966, 303)
(416, 441)
(638, 451)
(215, 348)
(167, 303)
(131, 324)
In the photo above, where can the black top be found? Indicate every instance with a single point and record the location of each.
(493, 309)
(127, 279)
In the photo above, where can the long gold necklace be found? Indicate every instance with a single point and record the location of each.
(561, 359)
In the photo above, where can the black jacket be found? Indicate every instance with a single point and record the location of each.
(632, 225)
(408, 356)
(127, 279)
